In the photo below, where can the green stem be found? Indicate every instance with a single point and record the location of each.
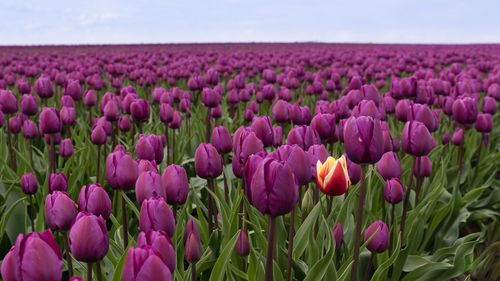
(291, 235)
(270, 249)
(359, 224)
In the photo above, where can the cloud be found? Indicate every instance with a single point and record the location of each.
(96, 19)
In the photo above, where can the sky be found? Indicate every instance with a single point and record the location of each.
(34, 22)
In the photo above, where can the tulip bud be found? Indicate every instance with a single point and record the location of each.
(176, 121)
(95, 200)
(304, 136)
(263, 129)
(66, 148)
(484, 123)
(49, 121)
(354, 170)
(332, 177)
(338, 235)
(121, 170)
(74, 89)
(425, 168)
(43, 87)
(210, 98)
(393, 191)
(166, 113)
(445, 139)
(58, 181)
(161, 245)
(76, 278)
(146, 166)
(88, 238)
(176, 184)
(156, 215)
(281, 111)
(150, 147)
(98, 136)
(242, 246)
(35, 257)
(29, 184)
(90, 98)
(388, 166)
(148, 185)
(221, 139)
(124, 123)
(245, 143)
(140, 110)
(458, 137)
(29, 129)
(416, 139)
(60, 210)
(378, 235)
(363, 140)
(464, 110)
(192, 248)
(29, 105)
(8, 102)
(489, 105)
(324, 124)
(112, 110)
(274, 189)
(68, 115)
(142, 264)
(207, 161)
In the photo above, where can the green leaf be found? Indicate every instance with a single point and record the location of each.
(219, 269)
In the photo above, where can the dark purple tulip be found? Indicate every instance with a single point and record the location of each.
(176, 121)
(67, 116)
(8, 102)
(458, 137)
(176, 184)
(216, 112)
(140, 110)
(221, 140)
(124, 123)
(88, 238)
(34, 257)
(317, 153)
(66, 148)
(58, 182)
(161, 245)
(424, 114)
(489, 105)
(149, 147)
(121, 170)
(484, 123)
(15, 123)
(393, 191)
(146, 166)
(60, 210)
(90, 98)
(43, 87)
(210, 98)
(166, 113)
(29, 184)
(98, 135)
(278, 136)
(250, 167)
(388, 166)
(248, 115)
(156, 215)
(48, 121)
(464, 110)
(368, 108)
(281, 111)
(338, 235)
(363, 140)
(192, 247)
(445, 139)
(29, 129)
(263, 129)
(76, 278)
(95, 200)
(207, 161)
(108, 126)
(143, 264)
(354, 170)
(29, 105)
(297, 159)
(380, 237)
(23, 87)
(274, 189)
(242, 246)
(425, 168)
(416, 139)
(112, 110)
(148, 185)
(74, 89)
(67, 101)
(304, 136)
(402, 110)
(325, 125)
(245, 143)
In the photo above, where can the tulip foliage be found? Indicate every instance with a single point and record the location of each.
(249, 162)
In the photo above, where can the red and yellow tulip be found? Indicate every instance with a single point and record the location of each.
(332, 177)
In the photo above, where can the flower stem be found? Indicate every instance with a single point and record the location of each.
(124, 221)
(407, 200)
(270, 248)
(31, 213)
(359, 224)
(291, 235)
(98, 270)
(98, 163)
(193, 271)
(89, 271)
(68, 255)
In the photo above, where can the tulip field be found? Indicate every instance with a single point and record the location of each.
(302, 161)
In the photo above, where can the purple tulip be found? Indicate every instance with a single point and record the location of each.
(29, 184)
(393, 191)
(140, 110)
(67, 115)
(338, 235)
(281, 111)
(325, 125)
(489, 105)
(29, 105)
(274, 189)
(388, 166)
(95, 200)
(166, 113)
(74, 89)
(66, 148)
(379, 236)
(458, 137)
(156, 215)
(8, 102)
(98, 136)
(29, 129)
(221, 140)
(176, 184)
(90, 98)
(242, 246)
(304, 136)
(121, 170)
(143, 264)
(484, 123)
(49, 121)
(263, 129)
(76, 278)
(416, 139)
(43, 87)
(354, 170)
(60, 210)
(34, 257)
(207, 161)
(297, 159)
(148, 185)
(88, 238)
(58, 182)
(150, 147)
(464, 110)
(245, 143)
(363, 140)
(425, 168)
(112, 110)
(161, 245)
(192, 245)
